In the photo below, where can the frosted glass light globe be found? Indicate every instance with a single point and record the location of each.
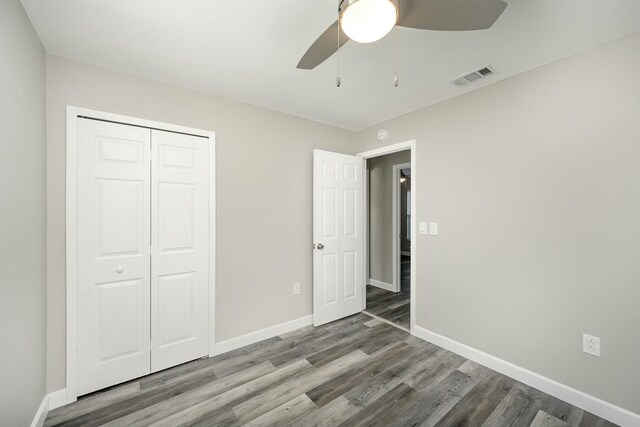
(366, 21)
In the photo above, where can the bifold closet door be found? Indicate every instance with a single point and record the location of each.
(113, 254)
(179, 248)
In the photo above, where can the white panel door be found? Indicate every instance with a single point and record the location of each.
(337, 236)
(180, 248)
(113, 254)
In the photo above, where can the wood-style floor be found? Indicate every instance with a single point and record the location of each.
(393, 306)
(358, 371)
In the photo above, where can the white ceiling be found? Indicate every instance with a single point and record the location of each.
(248, 49)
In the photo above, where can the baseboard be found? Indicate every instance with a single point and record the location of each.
(50, 401)
(575, 397)
(41, 413)
(405, 253)
(57, 399)
(262, 334)
(382, 285)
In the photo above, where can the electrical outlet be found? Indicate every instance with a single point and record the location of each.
(591, 345)
(296, 288)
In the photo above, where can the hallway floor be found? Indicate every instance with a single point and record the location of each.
(392, 306)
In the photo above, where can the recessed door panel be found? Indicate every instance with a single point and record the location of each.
(120, 150)
(330, 213)
(330, 279)
(349, 212)
(121, 320)
(350, 265)
(119, 217)
(176, 301)
(176, 215)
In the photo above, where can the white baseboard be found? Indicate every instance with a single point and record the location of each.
(57, 399)
(405, 253)
(575, 397)
(50, 401)
(41, 413)
(382, 285)
(262, 334)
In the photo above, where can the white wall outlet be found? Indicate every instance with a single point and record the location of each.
(591, 345)
(296, 288)
(433, 228)
(424, 228)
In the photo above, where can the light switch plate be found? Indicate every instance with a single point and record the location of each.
(433, 228)
(424, 228)
(296, 288)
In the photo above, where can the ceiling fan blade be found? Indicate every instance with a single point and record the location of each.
(450, 15)
(325, 46)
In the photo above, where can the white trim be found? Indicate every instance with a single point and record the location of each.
(396, 192)
(382, 285)
(262, 334)
(49, 402)
(41, 413)
(365, 231)
(368, 313)
(407, 145)
(71, 394)
(389, 149)
(57, 399)
(563, 392)
(405, 253)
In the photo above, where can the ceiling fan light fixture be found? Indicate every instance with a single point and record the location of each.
(366, 21)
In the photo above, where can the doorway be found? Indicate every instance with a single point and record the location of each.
(388, 207)
(341, 234)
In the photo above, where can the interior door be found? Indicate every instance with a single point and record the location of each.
(113, 254)
(180, 248)
(337, 235)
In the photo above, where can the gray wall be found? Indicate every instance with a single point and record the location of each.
(535, 183)
(22, 217)
(264, 172)
(381, 214)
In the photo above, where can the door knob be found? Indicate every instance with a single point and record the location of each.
(320, 246)
(119, 269)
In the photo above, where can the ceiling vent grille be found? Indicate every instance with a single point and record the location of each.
(474, 76)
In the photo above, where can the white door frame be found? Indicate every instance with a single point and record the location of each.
(396, 192)
(389, 149)
(73, 114)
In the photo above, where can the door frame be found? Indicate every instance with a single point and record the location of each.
(72, 115)
(390, 149)
(396, 193)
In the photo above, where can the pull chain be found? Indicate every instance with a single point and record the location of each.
(338, 79)
(395, 79)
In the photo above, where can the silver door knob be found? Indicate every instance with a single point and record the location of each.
(320, 246)
(119, 269)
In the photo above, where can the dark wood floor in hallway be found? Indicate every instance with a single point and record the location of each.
(357, 371)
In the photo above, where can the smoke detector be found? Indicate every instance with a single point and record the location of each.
(474, 76)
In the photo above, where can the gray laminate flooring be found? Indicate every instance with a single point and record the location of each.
(357, 371)
(393, 306)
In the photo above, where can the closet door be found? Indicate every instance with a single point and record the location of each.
(180, 248)
(113, 254)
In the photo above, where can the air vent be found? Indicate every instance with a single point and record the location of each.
(474, 76)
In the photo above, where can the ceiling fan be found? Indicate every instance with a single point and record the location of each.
(366, 21)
